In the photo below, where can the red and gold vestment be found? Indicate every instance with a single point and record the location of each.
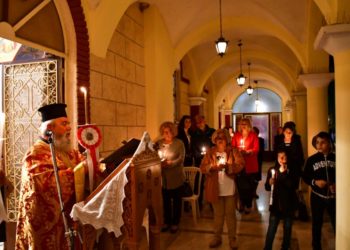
(40, 224)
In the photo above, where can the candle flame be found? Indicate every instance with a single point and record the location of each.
(83, 90)
(273, 173)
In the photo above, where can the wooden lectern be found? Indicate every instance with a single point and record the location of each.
(141, 177)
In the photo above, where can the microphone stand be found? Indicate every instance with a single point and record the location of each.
(69, 233)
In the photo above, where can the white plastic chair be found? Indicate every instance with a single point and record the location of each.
(190, 175)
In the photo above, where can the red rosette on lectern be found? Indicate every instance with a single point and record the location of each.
(89, 137)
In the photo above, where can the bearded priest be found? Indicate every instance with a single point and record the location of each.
(40, 224)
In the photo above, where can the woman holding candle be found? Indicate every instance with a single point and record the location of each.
(173, 153)
(283, 200)
(247, 142)
(220, 164)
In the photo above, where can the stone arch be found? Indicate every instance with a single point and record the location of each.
(110, 10)
(206, 31)
(219, 62)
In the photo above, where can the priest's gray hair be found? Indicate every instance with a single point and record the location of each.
(44, 127)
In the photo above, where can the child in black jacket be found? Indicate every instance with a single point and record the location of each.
(319, 173)
(281, 181)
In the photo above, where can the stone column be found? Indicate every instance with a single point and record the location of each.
(335, 39)
(300, 117)
(289, 110)
(228, 118)
(196, 105)
(317, 104)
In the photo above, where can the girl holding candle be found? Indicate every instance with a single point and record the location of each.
(291, 143)
(220, 165)
(173, 152)
(283, 202)
(247, 142)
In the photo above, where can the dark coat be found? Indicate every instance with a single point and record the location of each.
(201, 139)
(284, 195)
(320, 167)
(188, 161)
(295, 154)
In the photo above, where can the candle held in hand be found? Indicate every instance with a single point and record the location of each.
(241, 144)
(273, 173)
(204, 151)
(222, 161)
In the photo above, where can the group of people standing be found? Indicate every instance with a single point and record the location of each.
(232, 168)
(223, 160)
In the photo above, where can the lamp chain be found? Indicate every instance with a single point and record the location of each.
(249, 72)
(240, 53)
(220, 19)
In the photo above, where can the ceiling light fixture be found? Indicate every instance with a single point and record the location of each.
(221, 43)
(241, 77)
(250, 90)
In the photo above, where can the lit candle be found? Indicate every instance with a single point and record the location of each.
(222, 161)
(272, 186)
(84, 90)
(242, 143)
(204, 151)
(273, 173)
(161, 155)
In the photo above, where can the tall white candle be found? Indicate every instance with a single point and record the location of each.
(272, 186)
(273, 173)
(84, 90)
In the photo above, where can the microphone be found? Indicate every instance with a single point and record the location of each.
(49, 133)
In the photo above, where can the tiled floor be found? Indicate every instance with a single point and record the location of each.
(251, 230)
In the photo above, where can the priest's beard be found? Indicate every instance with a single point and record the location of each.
(62, 142)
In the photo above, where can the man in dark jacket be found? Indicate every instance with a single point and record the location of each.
(201, 139)
(319, 173)
(201, 143)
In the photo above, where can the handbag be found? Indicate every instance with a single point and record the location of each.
(187, 189)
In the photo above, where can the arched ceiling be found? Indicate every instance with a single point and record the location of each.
(275, 34)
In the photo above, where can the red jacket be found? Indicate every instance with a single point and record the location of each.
(251, 146)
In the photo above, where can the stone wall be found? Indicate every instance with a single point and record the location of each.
(183, 98)
(118, 85)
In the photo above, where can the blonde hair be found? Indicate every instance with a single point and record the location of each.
(169, 125)
(221, 131)
(249, 124)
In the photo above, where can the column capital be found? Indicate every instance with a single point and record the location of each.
(316, 80)
(289, 106)
(333, 38)
(227, 111)
(196, 100)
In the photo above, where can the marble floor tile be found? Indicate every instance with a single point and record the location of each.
(251, 230)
